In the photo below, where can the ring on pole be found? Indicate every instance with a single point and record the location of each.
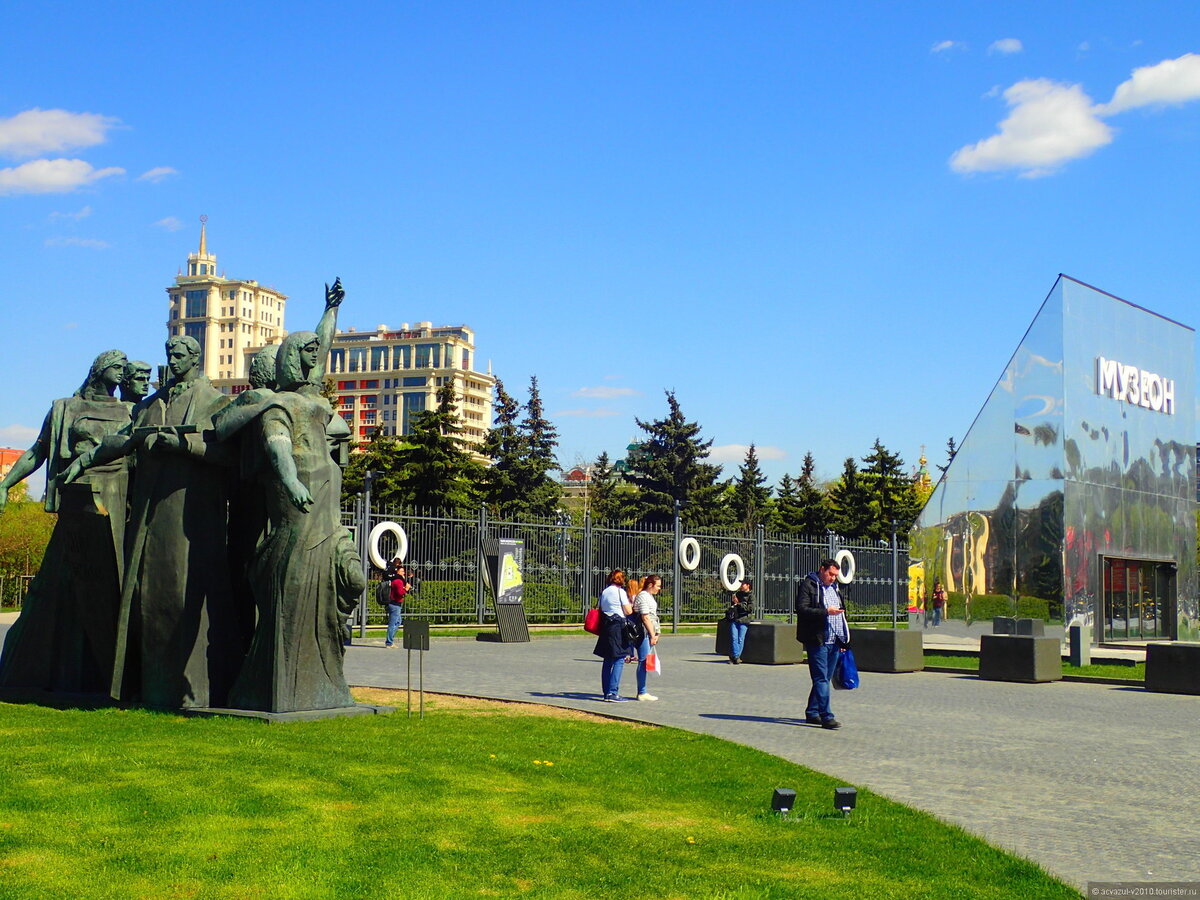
(845, 561)
(689, 554)
(739, 566)
(373, 543)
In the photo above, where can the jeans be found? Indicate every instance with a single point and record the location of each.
(937, 616)
(644, 650)
(395, 614)
(737, 637)
(610, 676)
(821, 660)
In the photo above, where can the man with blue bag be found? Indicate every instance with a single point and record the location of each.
(821, 627)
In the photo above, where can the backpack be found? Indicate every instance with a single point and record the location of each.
(383, 593)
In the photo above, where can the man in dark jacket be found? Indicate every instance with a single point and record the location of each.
(821, 628)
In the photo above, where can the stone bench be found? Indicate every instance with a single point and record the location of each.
(767, 643)
(1024, 658)
(1010, 625)
(1173, 668)
(887, 649)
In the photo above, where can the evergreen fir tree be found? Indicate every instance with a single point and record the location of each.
(750, 498)
(539, 491)
(951, 450)
(894, 499)
(506, 446)
(850, 503)
(812, 516)
(604, 501)
(670, 466)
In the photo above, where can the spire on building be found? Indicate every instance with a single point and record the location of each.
(202, 264)
(203, 240)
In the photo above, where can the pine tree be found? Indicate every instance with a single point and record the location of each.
(670, 466)
(850, 503)
(951, 450)
(506, 447)
(894, 500)
(427, 469)
(540, 492)
(750, 498)
(813, 516)
(604, 500)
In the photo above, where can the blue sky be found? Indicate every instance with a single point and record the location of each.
(817, 225)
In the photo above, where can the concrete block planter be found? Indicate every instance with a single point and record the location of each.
(1024, 658)
(887, 649)
(1173, 668)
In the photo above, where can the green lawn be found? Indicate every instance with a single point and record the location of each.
(476, 799)
(1135, 671)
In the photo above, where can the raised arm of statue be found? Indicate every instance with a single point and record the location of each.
(27, 463)
(278, 436)
(327, 327)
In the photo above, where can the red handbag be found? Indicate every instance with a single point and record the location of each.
(591, 620)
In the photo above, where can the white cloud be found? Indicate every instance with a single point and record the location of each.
(17, 435)
(36, 131)
(736, 453)
(91, 243)
(157, 174)
(944, 46)
(51, 176)
(1006, 46)
(170, 223)
(1050, 123)
(1169, 82)
(74, 216)
(605, 393)
(599, 413)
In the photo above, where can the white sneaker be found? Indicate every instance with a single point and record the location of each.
(647, 697)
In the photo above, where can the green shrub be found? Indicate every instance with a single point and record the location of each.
(988, 606)
(456, 600)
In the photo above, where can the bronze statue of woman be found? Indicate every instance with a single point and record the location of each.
(64, 638)
(306, 574)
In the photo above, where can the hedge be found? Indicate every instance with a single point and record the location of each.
(456, 599)
(987, 606)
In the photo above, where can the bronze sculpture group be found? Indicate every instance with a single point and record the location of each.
(199, 560)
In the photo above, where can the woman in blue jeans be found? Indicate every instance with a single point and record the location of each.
(645, 606)
(738, 615)
(610, 643)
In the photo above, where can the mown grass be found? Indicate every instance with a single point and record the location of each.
(1133, 671)
(476, 799)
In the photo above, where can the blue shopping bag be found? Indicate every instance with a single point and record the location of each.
(845, 671)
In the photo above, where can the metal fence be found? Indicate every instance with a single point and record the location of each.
(566, 565)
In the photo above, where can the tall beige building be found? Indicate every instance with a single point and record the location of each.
(225, 315)
(381, 377)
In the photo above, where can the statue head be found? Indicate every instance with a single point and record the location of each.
(183, 353)
(296, 360)
(135, 382)
(106, 373)
(262, 367)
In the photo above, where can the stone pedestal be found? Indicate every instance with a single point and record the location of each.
(887, 650)
(723, 641)
(1019, 658)
(1004, 625)
(1034, 627)
(1081, 645)
(1173, 668)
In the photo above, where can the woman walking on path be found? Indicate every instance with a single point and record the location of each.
(610, 643)
(939, 603)
(646, 606)
(738, 615)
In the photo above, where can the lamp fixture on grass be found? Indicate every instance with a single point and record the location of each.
(845, 799)
(783, 801)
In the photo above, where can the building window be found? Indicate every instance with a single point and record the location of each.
(197, 304)
(358, 359)
(466, 359)
(372, 384)
(401, 357)
(370, 401)
(428, 355)
(337, 360)
(195, 330)
(379, 359)
(414, 381)
(347, 385)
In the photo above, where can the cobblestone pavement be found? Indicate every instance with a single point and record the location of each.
(1093, 782)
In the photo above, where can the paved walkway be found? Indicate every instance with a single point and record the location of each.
(1094, 782)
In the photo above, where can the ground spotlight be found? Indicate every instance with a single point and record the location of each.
(845, 799)
(783, 801)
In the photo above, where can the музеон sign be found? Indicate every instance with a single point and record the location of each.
(1135, 386)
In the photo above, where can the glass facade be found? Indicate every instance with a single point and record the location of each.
(1082, 460)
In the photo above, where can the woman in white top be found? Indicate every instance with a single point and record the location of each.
(646, 606)
(610, 643)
